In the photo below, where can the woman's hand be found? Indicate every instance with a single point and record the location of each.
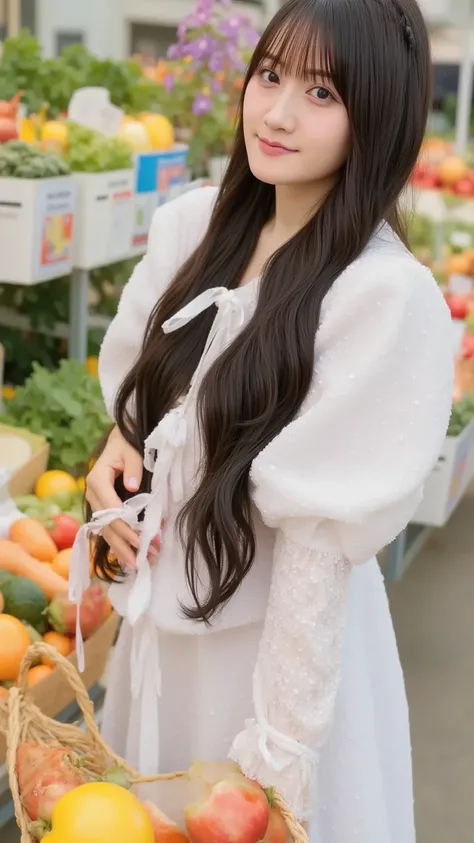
(118, 458)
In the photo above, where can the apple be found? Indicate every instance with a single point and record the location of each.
(277, 831)
(235, 811)
(458, 306)
(164, 829)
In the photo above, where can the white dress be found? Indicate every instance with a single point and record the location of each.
(299, 678)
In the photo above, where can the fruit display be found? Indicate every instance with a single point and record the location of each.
(438, 167)
(35, 559)
(65, 797)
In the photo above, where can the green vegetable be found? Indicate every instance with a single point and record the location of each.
(92, 152)
(25, 600)
(22, 161)
(65, 406)
(462, 414)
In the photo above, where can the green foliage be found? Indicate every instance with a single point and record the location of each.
(461, 415)
(52, 82)
(65, 406)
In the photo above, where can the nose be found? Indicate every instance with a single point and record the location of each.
(282, 113)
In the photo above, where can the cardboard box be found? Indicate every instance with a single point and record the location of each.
(53, 694)
(36, 229)
(159, 177)
(104, 218)
(22, 482)
(449, 480)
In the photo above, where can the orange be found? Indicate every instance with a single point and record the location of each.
(14, 642)
(62, 562)
(458, 265)
(53, 483)
(38, 673)
(61, 643)
(452, 169)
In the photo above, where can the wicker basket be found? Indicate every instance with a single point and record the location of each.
(21, 720)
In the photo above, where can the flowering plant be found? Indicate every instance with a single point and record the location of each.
(203, 76)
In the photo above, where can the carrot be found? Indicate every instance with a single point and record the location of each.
(34, 538)
(15, 560)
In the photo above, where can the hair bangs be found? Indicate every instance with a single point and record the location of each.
(300, 45)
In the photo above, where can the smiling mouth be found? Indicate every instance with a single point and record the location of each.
(275, 146)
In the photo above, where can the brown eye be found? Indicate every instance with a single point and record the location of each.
(269, 76)
(322, 95)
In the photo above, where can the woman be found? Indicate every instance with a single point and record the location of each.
(286, 437)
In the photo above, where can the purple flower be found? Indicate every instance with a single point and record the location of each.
(231, 27)
(201, 47)
(217, 62)
(202, 104)
(253, 37)
(176, 51)
(169, 82)
(216, 86)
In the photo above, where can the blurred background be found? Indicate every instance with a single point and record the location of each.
(108, 109)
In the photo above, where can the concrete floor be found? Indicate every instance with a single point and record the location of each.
(433, 610)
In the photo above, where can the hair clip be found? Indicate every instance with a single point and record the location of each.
(408, 32)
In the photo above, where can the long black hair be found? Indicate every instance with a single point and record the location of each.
(377, 52)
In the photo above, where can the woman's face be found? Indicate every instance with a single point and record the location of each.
(296, 130)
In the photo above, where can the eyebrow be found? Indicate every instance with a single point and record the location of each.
(310, 73)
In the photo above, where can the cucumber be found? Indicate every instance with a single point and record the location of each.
(25, 600)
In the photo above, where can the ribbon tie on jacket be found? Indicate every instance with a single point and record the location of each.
(167, 442)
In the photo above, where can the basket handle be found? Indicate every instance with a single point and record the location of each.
(36, 651)
(84, 702)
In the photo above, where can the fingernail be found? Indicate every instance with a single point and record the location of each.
(132, 484)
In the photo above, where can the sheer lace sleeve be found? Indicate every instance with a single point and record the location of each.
(299, 662)
(338, 484)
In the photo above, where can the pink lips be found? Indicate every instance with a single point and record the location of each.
(273, 149)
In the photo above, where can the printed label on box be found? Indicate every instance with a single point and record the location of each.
(145, 207)
(54, 224)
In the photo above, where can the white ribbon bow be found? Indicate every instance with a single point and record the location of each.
(79, 576)
(266, 732)
(167, 440)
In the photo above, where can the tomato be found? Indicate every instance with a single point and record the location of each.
(100, 813)
(53, 483)
(64, 531)
(14, 642)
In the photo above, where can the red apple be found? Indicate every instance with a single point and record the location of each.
(277, 831)
(458, 305)
(164, 829)
(236, 811)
